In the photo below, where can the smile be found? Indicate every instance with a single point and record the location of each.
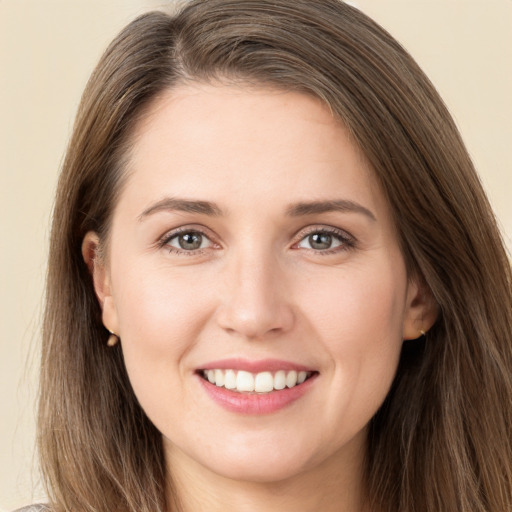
(262, 382)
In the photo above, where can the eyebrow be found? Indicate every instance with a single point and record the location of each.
(295, 210)
(335, 205)
(182, 205)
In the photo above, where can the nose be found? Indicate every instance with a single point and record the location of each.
(255, 302)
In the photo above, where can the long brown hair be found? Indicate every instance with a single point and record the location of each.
(442, 439)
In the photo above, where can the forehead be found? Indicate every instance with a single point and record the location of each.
(203, 139)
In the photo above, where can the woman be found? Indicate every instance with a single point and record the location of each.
(275, 281)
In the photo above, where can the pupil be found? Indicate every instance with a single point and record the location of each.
(320, 241)
(190, 241)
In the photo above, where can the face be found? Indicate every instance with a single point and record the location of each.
(256, 283)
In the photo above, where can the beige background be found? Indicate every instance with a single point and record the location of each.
(47, 50)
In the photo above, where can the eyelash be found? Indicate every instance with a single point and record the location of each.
(347, 242)
(166, 239)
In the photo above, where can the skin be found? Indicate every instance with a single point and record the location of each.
(257, 288)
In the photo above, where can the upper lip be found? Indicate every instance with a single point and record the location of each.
(255, 366)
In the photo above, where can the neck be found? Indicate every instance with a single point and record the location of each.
(330, 486)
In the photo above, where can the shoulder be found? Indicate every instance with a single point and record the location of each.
(34, 508)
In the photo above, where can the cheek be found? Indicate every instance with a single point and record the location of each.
(366, 302)
(159, 305)
(160, 318)
(359, 323)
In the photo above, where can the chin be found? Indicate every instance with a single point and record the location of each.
(259, 471)
(269, 461)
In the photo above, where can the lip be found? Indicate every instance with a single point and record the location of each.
(261, 365)
(255, 403)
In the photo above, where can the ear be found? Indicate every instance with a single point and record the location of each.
(421, 310)
(101, 280)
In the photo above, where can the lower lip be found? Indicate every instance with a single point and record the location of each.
(255, 403)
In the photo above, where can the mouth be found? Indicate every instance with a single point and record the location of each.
(255, 387)
(265, 382)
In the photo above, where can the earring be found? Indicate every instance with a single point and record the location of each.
(422, 332)
(112, 339)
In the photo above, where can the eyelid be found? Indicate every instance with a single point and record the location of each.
(163, 241)
(348, 240)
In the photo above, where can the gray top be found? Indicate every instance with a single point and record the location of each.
(34, 508)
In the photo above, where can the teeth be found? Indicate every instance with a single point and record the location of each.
(229, 380)
(219, 378)
(301, 377)
(280, 380)
(263, 382)
(291, 379)
(244, 381)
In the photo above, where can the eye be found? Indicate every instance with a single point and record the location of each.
(188, 241)
(323, 240)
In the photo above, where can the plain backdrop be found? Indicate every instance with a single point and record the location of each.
(47, 51)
